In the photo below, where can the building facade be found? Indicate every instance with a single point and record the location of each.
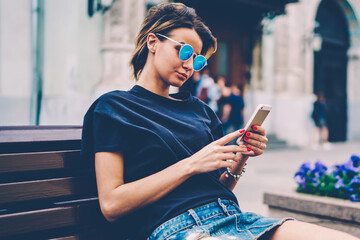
(55, 60)
(313, 48)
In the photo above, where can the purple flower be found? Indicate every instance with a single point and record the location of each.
(301, 180)
(301, 173)
(320, 166)
(320, 179)
(356, 160)
(354, 198)
(355, 183)
(338, 170)
(319, 170)
(353, 164)
(304, 168)
(348, 166)
(339, 183)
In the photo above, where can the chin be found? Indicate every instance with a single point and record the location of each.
(175, 82)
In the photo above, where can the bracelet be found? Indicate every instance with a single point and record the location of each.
(236, 176)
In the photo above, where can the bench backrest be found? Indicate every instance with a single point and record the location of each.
(46, 190)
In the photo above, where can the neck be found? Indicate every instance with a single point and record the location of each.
(151, 81)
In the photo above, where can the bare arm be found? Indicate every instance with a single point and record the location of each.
(117, 199)
(226, 112)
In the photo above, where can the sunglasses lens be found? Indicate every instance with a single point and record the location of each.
(186, 52)
(199, 62)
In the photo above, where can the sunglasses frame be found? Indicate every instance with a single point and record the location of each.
(182, 45)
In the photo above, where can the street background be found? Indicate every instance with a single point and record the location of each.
(57, 57)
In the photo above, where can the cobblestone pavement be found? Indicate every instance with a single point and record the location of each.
(274, 170)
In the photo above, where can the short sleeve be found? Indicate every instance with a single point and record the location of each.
(101, 131)
(108, 134)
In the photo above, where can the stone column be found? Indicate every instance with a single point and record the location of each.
(122, 23)
(353, 86)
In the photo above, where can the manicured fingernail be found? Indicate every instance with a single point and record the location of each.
(246, 138)
(254, 127)
(245, 144)
(242, 130)
(227, 175)
(249, 149)
(248, 134)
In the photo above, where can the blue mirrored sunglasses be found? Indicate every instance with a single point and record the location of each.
(186, 52)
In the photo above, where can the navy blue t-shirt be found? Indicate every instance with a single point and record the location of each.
(154, 132)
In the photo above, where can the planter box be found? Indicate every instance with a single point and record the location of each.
(329, 212)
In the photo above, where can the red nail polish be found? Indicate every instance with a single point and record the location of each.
(242, 130)
(245, 144)
(254, 127)
(249, 149)
(246, 138)
(248, 134)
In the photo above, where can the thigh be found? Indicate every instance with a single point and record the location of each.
(297, 230)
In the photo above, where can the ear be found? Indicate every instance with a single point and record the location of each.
(152, 42)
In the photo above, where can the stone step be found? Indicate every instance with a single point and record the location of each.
(275, 143)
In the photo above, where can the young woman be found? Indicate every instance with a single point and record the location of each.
(161, 160)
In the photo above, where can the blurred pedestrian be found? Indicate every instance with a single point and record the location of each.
(234, 109)
(223, 110)
(207, 90)
(321, 131)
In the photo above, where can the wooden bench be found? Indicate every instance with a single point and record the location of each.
(46, 190)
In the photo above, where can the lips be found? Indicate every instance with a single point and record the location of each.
(184, 75)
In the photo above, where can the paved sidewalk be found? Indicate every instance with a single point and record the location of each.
(274, 170)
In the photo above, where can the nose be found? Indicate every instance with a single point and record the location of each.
(188, 64)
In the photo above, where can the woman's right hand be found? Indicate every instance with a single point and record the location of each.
(214, 155)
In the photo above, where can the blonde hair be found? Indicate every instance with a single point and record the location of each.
(162, 19)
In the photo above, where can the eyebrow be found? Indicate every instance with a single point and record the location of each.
(182, 43)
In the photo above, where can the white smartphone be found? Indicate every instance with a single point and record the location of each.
(257, 118)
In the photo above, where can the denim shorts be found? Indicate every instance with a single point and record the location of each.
(217, 220)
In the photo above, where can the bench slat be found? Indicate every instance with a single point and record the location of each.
(21, 162)
(46, 190)
(43, 189)
(20, 223)
(39, 133)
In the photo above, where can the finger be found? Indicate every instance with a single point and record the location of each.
(232, 148)
(229, 137)
(251, 137)
(257, 150)
(256, 147)
(258, 129)
(259, 144)
(229, 156)
(225, 164)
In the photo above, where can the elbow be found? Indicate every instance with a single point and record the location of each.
(109, 217)
(108, 211)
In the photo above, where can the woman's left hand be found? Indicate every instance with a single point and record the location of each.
(255, 141)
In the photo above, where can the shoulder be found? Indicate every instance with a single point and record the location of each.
(110, 101)
(106, 103)
(111, 96)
